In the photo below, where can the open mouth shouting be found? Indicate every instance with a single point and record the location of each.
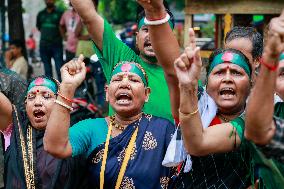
(227, 93)
(123, 98)
(148, 46)
(38, 115)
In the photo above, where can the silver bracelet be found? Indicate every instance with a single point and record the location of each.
(63, 105)
(157, 22)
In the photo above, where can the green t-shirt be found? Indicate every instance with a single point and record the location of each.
(86, 135)
(48, 24)
(115, 51)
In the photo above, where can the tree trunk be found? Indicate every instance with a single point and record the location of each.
(16, 26)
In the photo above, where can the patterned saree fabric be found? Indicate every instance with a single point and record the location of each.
(144, 168)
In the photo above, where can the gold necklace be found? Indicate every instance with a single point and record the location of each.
(223, 118)
(115, 124)
(27, 153)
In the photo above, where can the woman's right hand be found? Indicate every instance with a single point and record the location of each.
(73, 73)
(188, 65)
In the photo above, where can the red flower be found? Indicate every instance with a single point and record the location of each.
(227, 57)
(126, 67)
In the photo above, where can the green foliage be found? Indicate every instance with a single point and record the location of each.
(208, 29)
(61, 5)
(118, 11)
(121, 11)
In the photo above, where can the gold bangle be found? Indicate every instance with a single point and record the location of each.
(188, 114)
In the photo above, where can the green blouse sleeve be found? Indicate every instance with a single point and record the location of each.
(86, 135)
(239, 124)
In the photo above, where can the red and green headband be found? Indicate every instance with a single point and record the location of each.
(130, 67)
(40, 81)
(230, 57)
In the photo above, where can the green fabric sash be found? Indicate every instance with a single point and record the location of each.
(270, 171)
(132, 68)
(233, 58)
(43, 82)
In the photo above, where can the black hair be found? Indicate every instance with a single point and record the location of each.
(140, 13)
(248, 33)
(219, 51)
(96, 2)
(17, 43)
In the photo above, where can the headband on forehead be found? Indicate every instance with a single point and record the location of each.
(142, 23)
(43, 82)
(230, 57)
(130, 67)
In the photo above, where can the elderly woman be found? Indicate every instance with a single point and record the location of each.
(125, 150)
(27, 165)
(211, 120)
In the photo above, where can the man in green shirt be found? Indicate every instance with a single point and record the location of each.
(111, 51)
(50, 40)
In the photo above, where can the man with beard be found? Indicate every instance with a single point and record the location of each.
(50, 41)
(111, 51)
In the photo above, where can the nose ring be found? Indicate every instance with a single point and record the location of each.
(128, 86)
(41, 103)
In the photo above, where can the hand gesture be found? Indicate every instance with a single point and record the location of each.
(8, 58)
(188, 65)
(73, 73)
(276, 25)
(273, 49)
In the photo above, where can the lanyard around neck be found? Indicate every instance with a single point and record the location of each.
(125, 160)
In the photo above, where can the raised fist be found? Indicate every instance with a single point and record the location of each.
(73, 73)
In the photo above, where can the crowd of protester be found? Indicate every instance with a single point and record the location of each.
(164, 128)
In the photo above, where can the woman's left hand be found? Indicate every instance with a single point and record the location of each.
(188, 65)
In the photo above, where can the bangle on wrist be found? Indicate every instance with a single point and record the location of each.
(268, 66)
(64, 97)
(157, 22)
(188, 114)
(63, 105)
